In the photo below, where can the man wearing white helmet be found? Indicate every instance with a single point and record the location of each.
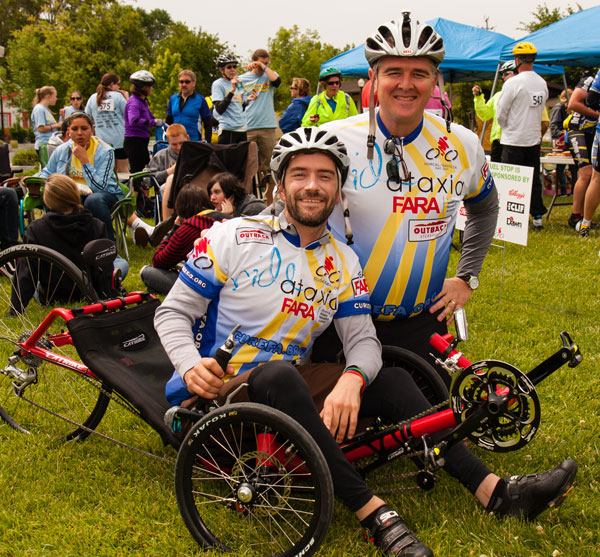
(409, 172)
(487, 110)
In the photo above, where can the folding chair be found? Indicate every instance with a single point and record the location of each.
(147, 181)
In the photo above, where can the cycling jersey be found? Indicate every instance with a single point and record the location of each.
(403, 231)
(579, 121)
(283, 295)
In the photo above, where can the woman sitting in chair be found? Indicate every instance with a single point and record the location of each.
(90, 162)
(228, 196)
(66, 228)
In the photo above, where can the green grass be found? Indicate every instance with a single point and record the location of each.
(94, 498)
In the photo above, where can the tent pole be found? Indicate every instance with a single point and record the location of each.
(564, 76)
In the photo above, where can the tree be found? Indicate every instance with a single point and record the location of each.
(155, 23)
(197, 50)
(296, 54)
(544, 16)
(165, 70)
(15, 15)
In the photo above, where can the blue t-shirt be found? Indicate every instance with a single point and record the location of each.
(41, 116)
(108, 117)
(188, 114)
(233, 119)
(261, 112)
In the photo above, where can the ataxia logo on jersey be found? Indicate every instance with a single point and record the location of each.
(252, 236)
(426, 230)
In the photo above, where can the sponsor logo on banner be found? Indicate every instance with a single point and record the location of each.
(253, 236)
(515, 207)
(510, 221)
(426, 230)
(359, 285)
(516, 193)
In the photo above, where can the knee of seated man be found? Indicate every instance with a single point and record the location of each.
(278, 378)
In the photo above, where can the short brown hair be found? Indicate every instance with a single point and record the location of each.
(260, 53)
(61, 193)
(303, 86)
(189, 73)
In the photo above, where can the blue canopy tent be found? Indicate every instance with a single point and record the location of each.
(472, 54)
(572, 41)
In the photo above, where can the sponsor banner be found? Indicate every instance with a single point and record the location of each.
(513, 183)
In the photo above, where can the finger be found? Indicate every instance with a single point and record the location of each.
(326, 416)
(352, 423)
(342, 426)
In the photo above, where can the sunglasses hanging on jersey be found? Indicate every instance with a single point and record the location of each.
(393, 146)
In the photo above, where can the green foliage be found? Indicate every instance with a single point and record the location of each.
(197, 49)
(298, 54)
(544, 16)
(15, 14)
(155, 24)
(165, 70)
(25, 157)
(18, 133)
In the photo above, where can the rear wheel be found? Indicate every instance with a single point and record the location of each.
(33, 391)
(250, 480)
(422, 372)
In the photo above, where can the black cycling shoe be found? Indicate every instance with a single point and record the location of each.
(527, 496)
(391, 535)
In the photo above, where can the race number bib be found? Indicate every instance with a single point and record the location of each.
(107, 105)
(537, 99)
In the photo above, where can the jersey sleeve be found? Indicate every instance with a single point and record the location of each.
(205, 271)
(353, 298)
(482, 182)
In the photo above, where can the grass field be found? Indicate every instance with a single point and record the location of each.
(94, 498)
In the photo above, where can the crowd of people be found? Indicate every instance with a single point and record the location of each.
(342, 228)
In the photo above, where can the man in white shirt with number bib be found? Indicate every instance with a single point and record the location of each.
(519, 113)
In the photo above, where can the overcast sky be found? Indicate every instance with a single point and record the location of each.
(246, 25)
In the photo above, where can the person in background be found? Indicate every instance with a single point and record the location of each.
(107, 108)
(487, 110)
(75, 100)
(42, 120)
(58, 137)
(332, 103)
(9, 218)
(558, 115)
(189, 108)
(195, 213)
(90, 162)
(229, 197)
(139, 120)
(291, 118)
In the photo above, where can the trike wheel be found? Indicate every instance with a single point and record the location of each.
(32, 389)
(249, 479)
(422, 372)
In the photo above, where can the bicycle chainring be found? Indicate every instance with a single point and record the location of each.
(513, 407)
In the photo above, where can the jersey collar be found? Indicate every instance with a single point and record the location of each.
(405, 140)
(291, 234)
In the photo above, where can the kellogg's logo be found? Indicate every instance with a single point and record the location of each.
(426, 230)
(516, 193)
(252, 236)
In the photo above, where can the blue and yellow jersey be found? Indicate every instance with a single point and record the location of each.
(284, 296)
(403, 230)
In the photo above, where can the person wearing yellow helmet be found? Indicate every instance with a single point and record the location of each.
(519, 113)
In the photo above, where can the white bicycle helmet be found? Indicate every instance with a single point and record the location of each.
(509, 66)
(406, 38)
(314, 140)
(142, 78)
(227, 58)
(309, 140)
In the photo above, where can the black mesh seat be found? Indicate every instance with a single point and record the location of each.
(123, 350)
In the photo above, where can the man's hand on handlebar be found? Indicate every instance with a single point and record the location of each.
(206, 378)
(340, 409)
(455, 294)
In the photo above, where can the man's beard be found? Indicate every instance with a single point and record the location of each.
(314, 219)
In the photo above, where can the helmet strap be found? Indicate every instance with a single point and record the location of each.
(446, 110)
(345, 211)
(371, 136)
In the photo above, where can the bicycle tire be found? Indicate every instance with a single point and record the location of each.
(422, 372)
(56, 388)
(218, 466)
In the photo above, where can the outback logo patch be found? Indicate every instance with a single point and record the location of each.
(253, 236)
(134, 341)
(425, 230)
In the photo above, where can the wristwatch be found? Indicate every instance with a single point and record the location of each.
(471, 280)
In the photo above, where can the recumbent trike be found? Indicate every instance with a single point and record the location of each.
(248, 478)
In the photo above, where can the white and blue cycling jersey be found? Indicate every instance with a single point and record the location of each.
(403, 230)
(253, 272)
